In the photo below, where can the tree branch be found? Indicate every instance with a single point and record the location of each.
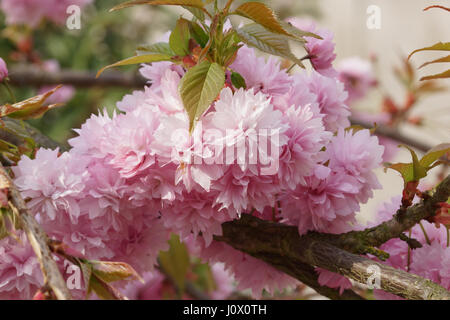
(393, 134)
(15, 131)
(356, 241)
(281, 246)
(34, 77)
(37, 238)
(307, 275)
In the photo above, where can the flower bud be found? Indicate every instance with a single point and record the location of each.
(442, 215)
(3, 70)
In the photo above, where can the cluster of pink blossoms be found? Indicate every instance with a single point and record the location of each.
(132, 178)
(32, 12)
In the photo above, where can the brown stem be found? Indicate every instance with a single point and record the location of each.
(393, 134)
(27, 76)
(37, 238)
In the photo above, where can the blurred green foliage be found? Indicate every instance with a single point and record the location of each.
(104, 38)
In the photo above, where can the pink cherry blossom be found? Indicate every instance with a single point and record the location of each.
(261, 74)
(3, 70)
(249, 272)
(20, 274)
(357, 76)
(331, 99)
(321, 50)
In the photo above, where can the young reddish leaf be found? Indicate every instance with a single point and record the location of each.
(28, 108)
(145, 58)
(261, 14)
(440, 60)
(442, 214)
(175, 262)
(114, 271)
(443, 75)
(438, 7)
(179, 38)
(440, 46)
(199, 88)
(188, 3)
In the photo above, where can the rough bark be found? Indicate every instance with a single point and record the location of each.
(281, 245)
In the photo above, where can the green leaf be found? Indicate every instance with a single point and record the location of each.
(114, 271)
(238, 81)
(440, 46)
(145, 58)
(175, 262)
(104, 290)
(179, 38)
(410, 171)
(298, 33)
(3, 227)
(418, 170)
(199, 88)
(434, 154)
(440, 60)
(199, 35)
(205, 278)
(188, 3)
(257, 36)
(196, 12)
(443, 75)
(159, 48)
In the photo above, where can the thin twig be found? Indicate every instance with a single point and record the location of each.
(393, 134)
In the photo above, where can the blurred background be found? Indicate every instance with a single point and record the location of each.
(106, 37)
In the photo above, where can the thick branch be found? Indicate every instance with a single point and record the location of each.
(307, 275)
(266, 240)
(280, 245)
(37, 238)
(27, 76)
